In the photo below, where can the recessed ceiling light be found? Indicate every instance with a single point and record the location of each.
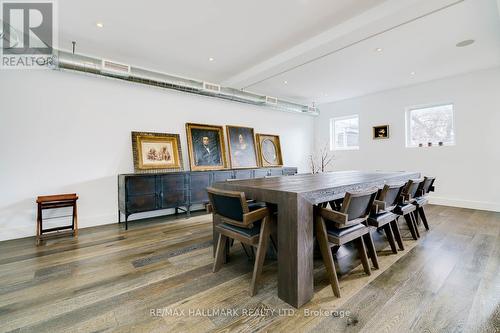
(379, 49)
(412, 73)
(465, 43)
(285, 82)
(211, 59)
(99, 25)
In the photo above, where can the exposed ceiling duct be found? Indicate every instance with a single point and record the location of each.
(108, 68)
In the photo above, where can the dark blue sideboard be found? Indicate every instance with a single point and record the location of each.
(139, 193)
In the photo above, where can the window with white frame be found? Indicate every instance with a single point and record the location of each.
(344, 133)
(432, 124)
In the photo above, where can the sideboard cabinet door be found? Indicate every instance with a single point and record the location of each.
(172, 190)
(141, 194)
(243, 174)
(276, 172)
(221, 176)
(137, 185)
(199, 181)
(261, 173)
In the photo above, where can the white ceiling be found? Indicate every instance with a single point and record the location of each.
(324, 49)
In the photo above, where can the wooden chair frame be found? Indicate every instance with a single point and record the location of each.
(360, 237)
(259, 241)
(422, 192)
(410, 215)
(390, 225)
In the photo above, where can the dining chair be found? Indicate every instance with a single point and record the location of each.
(422, 200)
(237, 219)
(382, 217)
(336, 228)
(407, 209)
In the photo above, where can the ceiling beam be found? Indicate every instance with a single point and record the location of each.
(382, 17)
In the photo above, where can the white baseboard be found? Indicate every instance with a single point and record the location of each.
(479, 205)
(28, 230)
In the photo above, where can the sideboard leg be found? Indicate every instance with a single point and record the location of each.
(119, 217)
(126, 222)
(188, 215)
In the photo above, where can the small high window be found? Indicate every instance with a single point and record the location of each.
(432, 124)
(344, 133)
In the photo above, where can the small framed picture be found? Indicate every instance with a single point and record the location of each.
(156, 152)
(206, 147)
(269, 148)
(381, 132)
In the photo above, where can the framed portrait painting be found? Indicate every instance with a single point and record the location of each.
(381, 132)
(242, 150)
(269, 149)
(206, 147)
(156, 152)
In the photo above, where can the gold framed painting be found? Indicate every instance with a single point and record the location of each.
(206, 147)
(269, 150)
(381, 132)
(241, 145)
(156, 152)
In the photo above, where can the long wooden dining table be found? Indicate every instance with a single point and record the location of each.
(295, 197)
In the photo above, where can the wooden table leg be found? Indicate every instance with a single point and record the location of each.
(295, 249)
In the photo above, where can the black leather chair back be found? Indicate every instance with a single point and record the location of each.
(228, 204)
(427, 184)
(229, 207)
(391, 194)
(412, 187)
(357, 205)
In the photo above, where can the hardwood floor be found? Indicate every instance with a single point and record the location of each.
(157, 276)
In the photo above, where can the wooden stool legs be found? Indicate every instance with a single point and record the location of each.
(38, 225)
(75, 221)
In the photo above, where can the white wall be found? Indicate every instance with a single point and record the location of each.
(468, 174)
(65, 132)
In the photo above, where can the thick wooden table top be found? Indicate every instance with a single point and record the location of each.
(318, 188)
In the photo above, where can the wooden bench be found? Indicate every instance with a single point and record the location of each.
(53, 202)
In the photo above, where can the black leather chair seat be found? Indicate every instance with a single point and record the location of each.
(243, 231)
(404, 209)
(381, 218)
(420, 201)
(344, 231)
(256, 205)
